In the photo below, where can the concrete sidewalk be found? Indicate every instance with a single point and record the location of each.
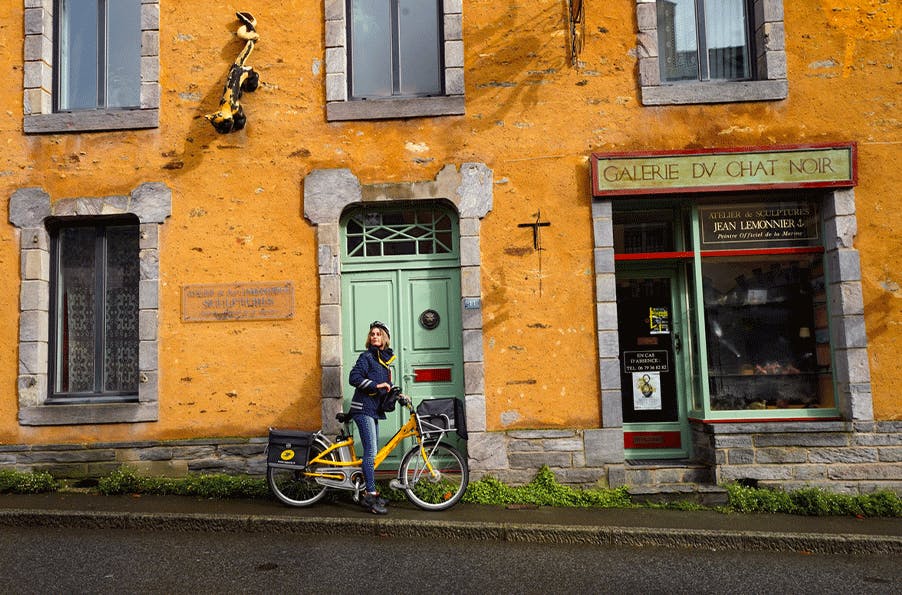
(340, 516)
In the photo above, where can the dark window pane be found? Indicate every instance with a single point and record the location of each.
(371, 51)
(354, 243)
(78, 54)
(444, 240)
(643, 231)
(399, 248)
(123, 53)
(727, 39)
(419, 47)
(75, 325)
(121, 316)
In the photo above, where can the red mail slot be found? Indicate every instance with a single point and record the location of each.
(432, 375)
(651, 439)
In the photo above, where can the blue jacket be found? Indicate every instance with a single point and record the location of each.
(372, 368)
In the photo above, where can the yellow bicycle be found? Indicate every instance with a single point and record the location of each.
(302, 466)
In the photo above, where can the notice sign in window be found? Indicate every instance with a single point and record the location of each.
(784, 224)
(238, 301)
(645, 361)
(644, 369)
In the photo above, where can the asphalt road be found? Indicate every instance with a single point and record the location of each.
(53, 560)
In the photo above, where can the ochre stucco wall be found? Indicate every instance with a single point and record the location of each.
(531, 117)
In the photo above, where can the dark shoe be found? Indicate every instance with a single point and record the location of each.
(383, 501)
(371, 503)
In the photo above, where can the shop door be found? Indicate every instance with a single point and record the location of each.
(650, 324)
(422, 309)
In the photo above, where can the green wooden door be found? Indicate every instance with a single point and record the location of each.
(413, 287)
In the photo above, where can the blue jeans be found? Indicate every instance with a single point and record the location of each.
(369, 438)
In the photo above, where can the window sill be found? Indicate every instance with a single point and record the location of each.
(87, 121)
(715, 92)
(381, 109)
(765, 416)
(105, 413)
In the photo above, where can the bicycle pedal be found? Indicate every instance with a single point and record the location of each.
(397, 485)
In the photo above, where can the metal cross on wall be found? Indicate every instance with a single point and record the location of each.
(536, 234)
(537, 226)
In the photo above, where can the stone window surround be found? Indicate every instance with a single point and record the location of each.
(28, 210)
(339, 108)
(327, 194)
(770, 63)
(39, 84)
(848, 338)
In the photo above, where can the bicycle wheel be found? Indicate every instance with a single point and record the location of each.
(295, 487)
(440, 490)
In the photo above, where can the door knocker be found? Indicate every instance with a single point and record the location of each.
(429, 319)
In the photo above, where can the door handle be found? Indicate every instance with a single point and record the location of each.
(677, 343)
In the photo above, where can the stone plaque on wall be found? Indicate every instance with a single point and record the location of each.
(265, 300)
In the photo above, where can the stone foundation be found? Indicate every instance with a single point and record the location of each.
(170, 459)
(590, 458)
(847, 457)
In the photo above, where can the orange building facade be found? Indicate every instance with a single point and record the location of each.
(583, 173)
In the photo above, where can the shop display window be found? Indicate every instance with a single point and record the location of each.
(766, 327)
(750, 280)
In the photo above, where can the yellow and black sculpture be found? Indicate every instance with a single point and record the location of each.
(230, 116)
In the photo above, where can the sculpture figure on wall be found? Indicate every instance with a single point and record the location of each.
(230, 116)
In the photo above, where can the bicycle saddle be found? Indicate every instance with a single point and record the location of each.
(343, 417)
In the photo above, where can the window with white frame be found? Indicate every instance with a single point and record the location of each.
(711, 51)
(704, 40)
(395, 48)
(393, 59)
(91, 65)
(98, 54)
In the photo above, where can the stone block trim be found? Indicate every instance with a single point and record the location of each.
(38, 79)
(844, 457)
(606, 315)
(340, 107)
(328, 192)
(28, 210)
(770, 62)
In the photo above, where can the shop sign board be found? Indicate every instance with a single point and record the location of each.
(787, 223)
(273, 300)
(715, 170)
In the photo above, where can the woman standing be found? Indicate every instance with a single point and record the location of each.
(371, 379)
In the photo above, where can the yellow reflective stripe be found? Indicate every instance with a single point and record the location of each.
(390, 360)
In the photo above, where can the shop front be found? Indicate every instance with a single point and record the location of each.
(735, 279)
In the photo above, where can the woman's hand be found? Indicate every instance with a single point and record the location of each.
(386, 386)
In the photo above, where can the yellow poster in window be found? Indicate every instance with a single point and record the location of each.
(659, 320)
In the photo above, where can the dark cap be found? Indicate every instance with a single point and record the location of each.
(381, 325)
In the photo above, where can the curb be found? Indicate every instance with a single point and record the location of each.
(702, 539)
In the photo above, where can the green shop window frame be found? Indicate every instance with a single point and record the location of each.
(796, 264)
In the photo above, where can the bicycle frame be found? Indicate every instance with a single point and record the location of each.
(408, 430)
